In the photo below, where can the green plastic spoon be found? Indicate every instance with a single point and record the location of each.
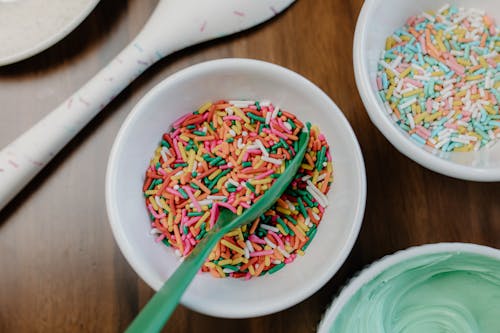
(159, 308)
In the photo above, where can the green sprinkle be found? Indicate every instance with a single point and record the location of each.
(165, 143)
(252, 116)
(200, 133)
(166, 242)
(190, 214)
(215, 160)
(276, 268)
(183, 193)
(246, 164)
(250, 187)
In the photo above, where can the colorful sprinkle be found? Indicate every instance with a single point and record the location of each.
(227, 154)
(439, 78)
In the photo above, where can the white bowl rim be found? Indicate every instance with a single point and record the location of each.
(305, 291)
(380, 265)
(385, 124)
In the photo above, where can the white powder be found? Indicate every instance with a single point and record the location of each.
(27, 24)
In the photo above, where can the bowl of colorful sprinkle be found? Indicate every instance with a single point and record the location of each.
(217, 135)
(428, 73)
(443, 287)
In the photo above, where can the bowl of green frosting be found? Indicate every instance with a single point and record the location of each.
(444, 287)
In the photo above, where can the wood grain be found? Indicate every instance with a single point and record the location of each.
(60, 269)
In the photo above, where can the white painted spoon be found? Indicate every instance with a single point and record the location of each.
(174, 25)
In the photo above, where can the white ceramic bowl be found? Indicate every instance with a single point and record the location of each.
(183, 92)
(378, 20)
(381, 265)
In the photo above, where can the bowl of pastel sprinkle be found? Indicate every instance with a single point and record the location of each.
(434, 87)
(218, 135)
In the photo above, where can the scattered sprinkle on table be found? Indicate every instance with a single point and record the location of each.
(227, 154)
(439, 78)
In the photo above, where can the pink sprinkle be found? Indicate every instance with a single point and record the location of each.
(162, 172)
(261, 253)
(236, 12)
(202, 28)
(244, 205)
(264, 175)
(277, 238)
(282, 125)
(224, 167)
(176, 148)
(14, 164)
(160, 238)
(228, 206)
(195, 202)
(187, 248)
(231, 118)
(154, 213)
(429, 105)
(414, 82)
(213, 215)
(174, 192)
(450, 125)
(254, 151)
(179, 121)
(192, 221)
(256, 239)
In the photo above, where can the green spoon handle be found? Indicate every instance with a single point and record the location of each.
(155, 314)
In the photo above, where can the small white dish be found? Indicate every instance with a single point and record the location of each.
(378, 267)
(182, 93)
(378, 20)
(31, 26)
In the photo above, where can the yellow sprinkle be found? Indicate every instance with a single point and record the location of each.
(267, 261)
(240, 234)
(418, 118)
(303, 226)
(241, 114)
(240, 157)
(214, 174)
(281, 229)
(464, 62)
(457, 103)
(204, 107)
(306, 166)
(251, 270)
(388, 95)
(300, 252)
(465, 148)
(390, 74)
(209, 264)
(439, 73)
(259, 163)
(489, 109)
(474, 77)
(283, 210)
(225, 262)
(288, 248)
(389, 42)
(232, 233)
(200, 221)
(163, 204)
(220, 271)
(153, 203)
(405, 73)
(405, 38)
(240, 260)
(483, 62)
(413, 92)
(170, 221)
(151, 192)
(183, 152)
(316, 210)
(261, 181)
(239, 210)
(315, 176)
(329, 167)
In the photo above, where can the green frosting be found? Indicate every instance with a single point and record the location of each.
(443, 292)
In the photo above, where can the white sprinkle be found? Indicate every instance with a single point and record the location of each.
(176, 187)
(442, 9)
(216, 197)
(232, 182)
(316, 216)
(284, 252)
(268, 242)
(276, 262)
(262, 148)
(268, 117)
(247, 252)
(244, 133)
(272, 160)
(410, 119)
(316, 193)
(290, 205)
(229, 111)
(268, 227)
(288, 126)
(265, 103)
(177, 253)
(249, 246)
(442, 143)
(154, 231)
(429, 17)
(386, 66)
(232, 132)
(205, 202)
(275, 112)
(242, 104)
(228, 270)
(307, 177)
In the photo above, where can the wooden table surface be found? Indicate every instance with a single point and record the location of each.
(60, 269)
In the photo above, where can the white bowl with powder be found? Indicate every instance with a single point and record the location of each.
(28, 27)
